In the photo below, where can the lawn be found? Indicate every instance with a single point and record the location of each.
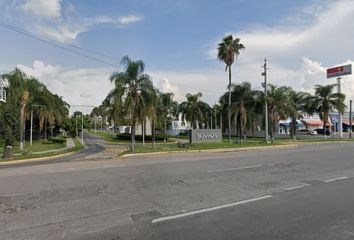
(254, 142)
(38, 147)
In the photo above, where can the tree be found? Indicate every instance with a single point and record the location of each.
(277, 98)
(241, 97)
(194, 110)
(10, 127)
(165, 110)
(295, 106)
(136, 91)
(325, 100)
(228, 51)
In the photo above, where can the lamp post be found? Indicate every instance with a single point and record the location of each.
(350, 119)
(82, 129)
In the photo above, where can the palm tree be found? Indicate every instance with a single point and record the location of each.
(165, 109)
(277, 98)
(241, 95)
(136, 91)
(325, 100)
(194, 110)
(228, 50)
(295, 106)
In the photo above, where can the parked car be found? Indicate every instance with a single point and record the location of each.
(320, 131)
(307, 132)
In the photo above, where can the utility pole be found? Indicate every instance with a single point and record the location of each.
(350, 119)
(82, 129)
(265, 100)
(340, 121)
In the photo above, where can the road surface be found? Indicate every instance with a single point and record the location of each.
(301, 192)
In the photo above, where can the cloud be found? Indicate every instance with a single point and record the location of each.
(84, 86)
(129, 19)
(42, 8)
(300, 48)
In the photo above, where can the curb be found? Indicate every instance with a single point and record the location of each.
(215, 150)
(32, 160)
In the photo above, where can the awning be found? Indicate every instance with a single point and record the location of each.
(315, 122)
(347, 122)
(289, 124)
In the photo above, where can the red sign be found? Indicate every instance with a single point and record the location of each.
(339, 71)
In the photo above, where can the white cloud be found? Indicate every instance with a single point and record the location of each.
(42, 8)
(85, 86)
(300, 49)
(129, 19)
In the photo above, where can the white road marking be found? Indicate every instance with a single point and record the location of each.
(191, 213)
(296, 187)
(233, 169)
(335, 179)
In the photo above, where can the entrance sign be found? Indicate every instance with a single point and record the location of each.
(205, 135)
(339, 71)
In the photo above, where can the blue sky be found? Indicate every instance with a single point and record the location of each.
(177, 41)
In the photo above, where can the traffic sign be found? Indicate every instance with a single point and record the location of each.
(339, 71)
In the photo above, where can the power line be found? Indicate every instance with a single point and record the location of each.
(60, 46)
(23, 32)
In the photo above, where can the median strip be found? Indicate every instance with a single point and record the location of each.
(205, 210)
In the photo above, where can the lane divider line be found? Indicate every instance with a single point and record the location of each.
(335, 179)
(205, 210)
(233, 169)
(296, 187)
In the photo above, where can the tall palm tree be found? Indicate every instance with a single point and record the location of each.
(228, 50)
(135, 89)
(241, 95)
(194, 110)
(295, 106)
(165, 110)
(325, 100)
(277, 98)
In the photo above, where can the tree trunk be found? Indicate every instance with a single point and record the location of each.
(165, 133)
(8, 152)
(143, 132)
(45, 129)
(221, 125)
(153, 133)
(133, 136)
(229, 106)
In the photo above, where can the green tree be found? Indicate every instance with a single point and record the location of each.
(166, 109)
(228, 50)
(136, 91)
(194, 110)
(295, 106)
(10, 127)
(324, 101)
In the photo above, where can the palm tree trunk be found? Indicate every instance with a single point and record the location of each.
(229, 106)
(221, 123)
(143, 132)
(45, 128)
(324, 124)
(133, 136)
(153, 133)
(165, 133)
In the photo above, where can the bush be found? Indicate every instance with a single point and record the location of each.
(127, 137)
(60, 140)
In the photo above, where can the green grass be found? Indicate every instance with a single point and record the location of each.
(112, 138)
(27, 155)
(202, 146)
(37, 146)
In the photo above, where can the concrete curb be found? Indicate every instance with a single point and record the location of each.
(216, 150)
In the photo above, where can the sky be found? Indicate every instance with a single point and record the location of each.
(74, 46)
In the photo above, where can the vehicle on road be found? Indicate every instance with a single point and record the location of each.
(307, 132)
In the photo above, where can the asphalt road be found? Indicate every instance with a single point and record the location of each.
(92, 146)
(303, 192)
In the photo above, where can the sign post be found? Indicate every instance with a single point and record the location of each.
(338, 72)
